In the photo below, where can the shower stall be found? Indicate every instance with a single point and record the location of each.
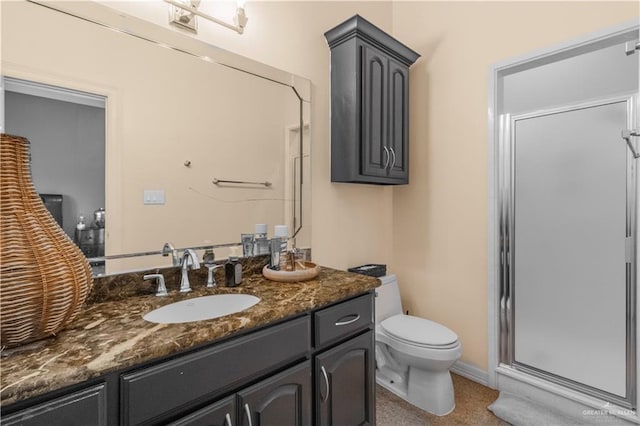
(565, 223)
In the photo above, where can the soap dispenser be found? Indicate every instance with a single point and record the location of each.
(233, 272)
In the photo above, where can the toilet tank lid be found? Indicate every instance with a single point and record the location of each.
(386, 279)
(418, 330)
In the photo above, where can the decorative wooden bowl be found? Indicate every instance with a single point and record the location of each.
(310, 271)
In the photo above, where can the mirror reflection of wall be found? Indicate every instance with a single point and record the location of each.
(66, 130)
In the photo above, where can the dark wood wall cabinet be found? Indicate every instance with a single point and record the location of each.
(316, 368)
(369, 104)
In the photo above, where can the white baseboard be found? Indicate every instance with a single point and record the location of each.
(471, 372)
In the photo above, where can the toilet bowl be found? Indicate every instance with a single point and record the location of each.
(413, 355)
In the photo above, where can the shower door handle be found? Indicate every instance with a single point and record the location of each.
(508, 313)
(626, 135)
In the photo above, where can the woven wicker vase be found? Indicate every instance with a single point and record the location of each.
(44, 277)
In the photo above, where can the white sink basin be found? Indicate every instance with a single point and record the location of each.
(201, 308)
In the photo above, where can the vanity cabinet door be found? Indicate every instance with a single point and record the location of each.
(398, 116)
(385, 117)
(222, 413)
(87, 407)
(375, 156)
(345, 380)
(281, 400)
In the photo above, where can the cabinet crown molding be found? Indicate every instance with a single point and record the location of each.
(357, 26)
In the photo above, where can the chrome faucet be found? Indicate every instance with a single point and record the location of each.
(169, 249)
(189, 257)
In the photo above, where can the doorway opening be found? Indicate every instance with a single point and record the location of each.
(66, 131)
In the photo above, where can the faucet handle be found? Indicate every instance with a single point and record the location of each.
(208, 257)
(162, 289)
(211, 280)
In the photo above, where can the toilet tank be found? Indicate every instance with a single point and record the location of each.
(388, 301)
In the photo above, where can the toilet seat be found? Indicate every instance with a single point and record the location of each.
(419, 332)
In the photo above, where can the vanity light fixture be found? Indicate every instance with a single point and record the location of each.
(184, 14)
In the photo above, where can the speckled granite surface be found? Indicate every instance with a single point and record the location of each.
(111, 335)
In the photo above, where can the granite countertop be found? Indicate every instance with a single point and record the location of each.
(111, 335)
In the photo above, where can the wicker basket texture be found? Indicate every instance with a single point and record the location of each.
(44, 277)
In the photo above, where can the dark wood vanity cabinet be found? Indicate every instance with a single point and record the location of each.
(346, 377)
(369, 104)
(316, 368)
(82, 407)
(345, 373)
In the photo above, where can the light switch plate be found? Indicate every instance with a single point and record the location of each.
(153, 196)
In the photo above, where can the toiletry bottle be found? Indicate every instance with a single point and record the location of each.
(233, 272)
(78, 233)
(282, 231)
(274, 248)
(260, 235)
(260, 230)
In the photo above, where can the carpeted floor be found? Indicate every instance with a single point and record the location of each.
(472, 400)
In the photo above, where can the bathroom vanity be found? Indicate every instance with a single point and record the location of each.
(303, 355)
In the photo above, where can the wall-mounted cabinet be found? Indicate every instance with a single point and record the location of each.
(369, 104)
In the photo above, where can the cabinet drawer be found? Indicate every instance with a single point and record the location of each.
(153, 392)
(342, 320)
(221, 413)
(83, 408)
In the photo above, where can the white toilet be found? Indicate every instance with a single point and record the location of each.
(413, 355)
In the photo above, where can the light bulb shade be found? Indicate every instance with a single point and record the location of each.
(240, 4)
(185, 16)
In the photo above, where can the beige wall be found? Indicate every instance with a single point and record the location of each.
(440, 219)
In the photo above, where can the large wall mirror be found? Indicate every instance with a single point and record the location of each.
(178, 114)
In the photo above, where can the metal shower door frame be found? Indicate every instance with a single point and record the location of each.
(506, 227)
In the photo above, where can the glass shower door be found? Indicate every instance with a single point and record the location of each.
(570, 227)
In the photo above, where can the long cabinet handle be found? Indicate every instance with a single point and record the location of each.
(227, 420)
(326, 381)
(386, 163)
(247, 411)
(342, 320)
(393, 162)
